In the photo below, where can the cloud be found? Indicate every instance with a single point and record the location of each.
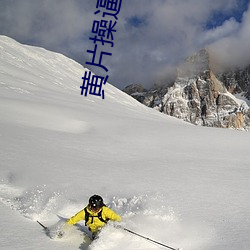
(152, 37)
(233, 49)
(228, 28)
(172, 31)
(53, 24)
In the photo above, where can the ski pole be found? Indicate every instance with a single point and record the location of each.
(45, 228)
(146, 238)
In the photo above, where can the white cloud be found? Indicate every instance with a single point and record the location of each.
(170, 30)
(228, 28)
(233, 50)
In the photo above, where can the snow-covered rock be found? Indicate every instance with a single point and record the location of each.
(199, 97)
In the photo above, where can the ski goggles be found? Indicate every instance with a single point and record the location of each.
(94, 208)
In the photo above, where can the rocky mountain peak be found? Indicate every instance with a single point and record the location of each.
(202, 97)
(196, 64)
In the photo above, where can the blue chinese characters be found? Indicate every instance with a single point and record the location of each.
(103, 33)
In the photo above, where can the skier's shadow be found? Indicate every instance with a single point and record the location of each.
(87, 237)
(84, 245)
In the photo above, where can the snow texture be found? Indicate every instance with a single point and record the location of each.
(182, 185)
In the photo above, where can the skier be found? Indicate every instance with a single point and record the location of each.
(95, 214)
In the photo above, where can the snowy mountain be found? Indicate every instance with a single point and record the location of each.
(201, 96)
(182, 185)
(237, 81)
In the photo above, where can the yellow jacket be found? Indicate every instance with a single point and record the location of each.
(94, 223)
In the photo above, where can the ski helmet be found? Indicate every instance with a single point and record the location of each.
(95, 202)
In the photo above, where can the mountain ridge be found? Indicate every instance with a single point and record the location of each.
(202, 96)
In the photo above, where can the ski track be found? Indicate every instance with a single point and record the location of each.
(145, 214)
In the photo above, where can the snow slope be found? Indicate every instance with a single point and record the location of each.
(179, 184)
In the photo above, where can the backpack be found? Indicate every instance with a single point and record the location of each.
(88, 216)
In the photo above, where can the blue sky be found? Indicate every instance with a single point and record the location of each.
(218, 17)
(152, 38)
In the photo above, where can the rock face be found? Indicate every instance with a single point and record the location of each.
(201, 97)
(137, 91)
(237, 81)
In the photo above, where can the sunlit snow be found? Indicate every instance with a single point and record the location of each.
(182, 185)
